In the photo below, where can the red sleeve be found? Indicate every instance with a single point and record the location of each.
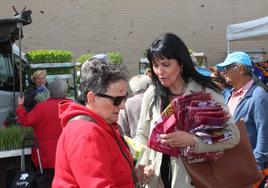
(27, 119)
(91, 163)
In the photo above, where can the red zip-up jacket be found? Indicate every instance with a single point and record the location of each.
(88, 155)
(44, 119)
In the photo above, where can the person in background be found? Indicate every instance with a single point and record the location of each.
(38, 79)
(148, 72)
(204, 71)
(247, 101)
(219, 79)
(44, 120)
(173, 75)
(91, 151)
(129, 117)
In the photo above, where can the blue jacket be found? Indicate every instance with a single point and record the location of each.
(253, 109)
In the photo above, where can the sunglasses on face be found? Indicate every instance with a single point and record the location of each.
(116, 100)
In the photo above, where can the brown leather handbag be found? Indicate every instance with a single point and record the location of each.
(237, 168)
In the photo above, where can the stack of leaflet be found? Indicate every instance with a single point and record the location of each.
(197, 114)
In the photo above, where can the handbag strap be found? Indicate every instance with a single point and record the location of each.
(133, 173)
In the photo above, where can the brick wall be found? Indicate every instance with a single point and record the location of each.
(130, 26)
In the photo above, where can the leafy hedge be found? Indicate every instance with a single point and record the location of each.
(49, 56)
(114, 57)
(83, 58)
(12, 136)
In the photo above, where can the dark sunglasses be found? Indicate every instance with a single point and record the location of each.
(116, 100)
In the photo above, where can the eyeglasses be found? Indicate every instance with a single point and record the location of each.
(116, 100)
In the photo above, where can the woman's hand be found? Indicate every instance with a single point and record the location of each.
(178, 139)
(20, 100)
(148, 173)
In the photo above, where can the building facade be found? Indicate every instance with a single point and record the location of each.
(130, 26)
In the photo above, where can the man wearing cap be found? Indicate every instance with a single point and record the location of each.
(247, 101)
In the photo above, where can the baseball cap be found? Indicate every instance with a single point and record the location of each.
(235, 57)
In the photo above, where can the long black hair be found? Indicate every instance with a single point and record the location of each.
(170, 46)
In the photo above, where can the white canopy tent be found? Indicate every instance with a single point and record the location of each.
(253, 28)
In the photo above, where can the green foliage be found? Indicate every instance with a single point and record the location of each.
(84, 57)
(49, 56)
(12, 136)
(115, 57)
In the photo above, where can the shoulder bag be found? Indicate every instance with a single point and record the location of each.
(237, 167)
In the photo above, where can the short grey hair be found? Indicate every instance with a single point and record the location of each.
(139, 83)
(57, 88)
(97, 76)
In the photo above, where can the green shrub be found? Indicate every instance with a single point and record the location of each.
(115, 57)
(84, 57)
(12, 136)
(49, 56)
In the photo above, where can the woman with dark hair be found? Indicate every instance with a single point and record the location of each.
(173, 75)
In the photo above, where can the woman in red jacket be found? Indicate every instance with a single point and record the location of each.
(90, 151)
(44, 120)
